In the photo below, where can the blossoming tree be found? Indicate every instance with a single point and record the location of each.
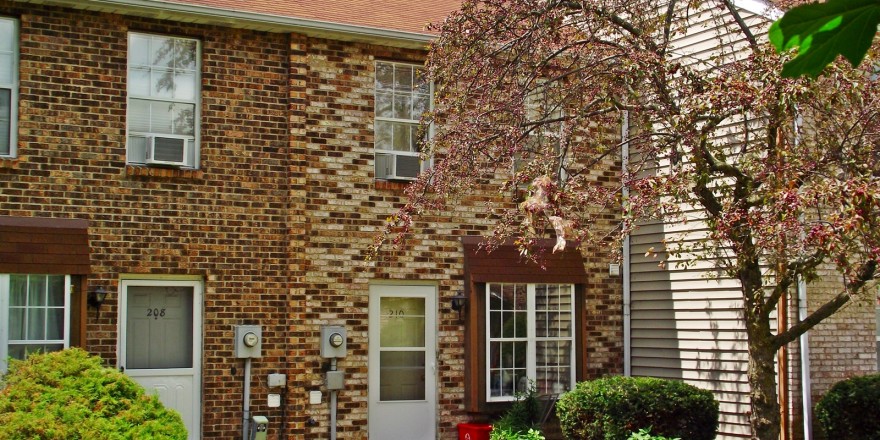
(785, 172)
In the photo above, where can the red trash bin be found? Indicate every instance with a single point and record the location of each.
(474, 431)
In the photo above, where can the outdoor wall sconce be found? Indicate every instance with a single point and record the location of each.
(96, 297)
(459, 302)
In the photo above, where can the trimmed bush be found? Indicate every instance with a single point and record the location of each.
(613, 408)
(70, 395)
(847, 411)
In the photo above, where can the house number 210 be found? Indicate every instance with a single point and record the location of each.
(156, 313)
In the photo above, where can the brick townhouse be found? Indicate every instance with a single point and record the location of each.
(177, 175)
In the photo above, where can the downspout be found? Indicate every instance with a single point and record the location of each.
(784, 376)
(806, 382)
(627, 299)
(246, 406)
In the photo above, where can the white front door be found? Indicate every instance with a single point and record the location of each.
(160, 343)
(402, 370)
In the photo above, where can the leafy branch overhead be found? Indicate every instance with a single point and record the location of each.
(822, 31)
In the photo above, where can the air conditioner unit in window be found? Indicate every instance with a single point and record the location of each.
(404, 167)
(166, 151)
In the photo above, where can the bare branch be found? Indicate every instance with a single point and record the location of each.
(865, 273)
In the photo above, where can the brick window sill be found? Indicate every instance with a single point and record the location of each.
(9, 162)
(171, 173)
(395, 185)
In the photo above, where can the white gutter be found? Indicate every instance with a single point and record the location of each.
(243, 19)
(627, 300)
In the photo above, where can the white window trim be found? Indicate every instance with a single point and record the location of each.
(4, 319)
(531, 339)
(13, 87)
(196, 101)
(424, 164)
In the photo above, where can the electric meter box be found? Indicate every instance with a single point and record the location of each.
(259, 428)
(248, 341)
(334, 341)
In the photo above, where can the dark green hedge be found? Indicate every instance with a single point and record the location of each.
(70, 395)
(615, 407)
(849, 410)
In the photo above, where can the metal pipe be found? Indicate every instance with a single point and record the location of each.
(806, 382)
(333, 404)
(245, 426)
(627, 296)
(782, 360)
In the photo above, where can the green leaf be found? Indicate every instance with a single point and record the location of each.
(821, 31)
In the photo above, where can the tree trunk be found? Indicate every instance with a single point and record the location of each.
(765, 416)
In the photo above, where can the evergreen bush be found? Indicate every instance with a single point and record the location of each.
(613, 408)
(70, 395)
(848, 410)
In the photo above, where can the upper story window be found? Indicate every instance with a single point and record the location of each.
(8, 85)
(543, 117)
(34, 315)
(530, 337)
(402, 96)
(163, 100)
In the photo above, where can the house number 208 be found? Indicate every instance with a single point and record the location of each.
(156, 313)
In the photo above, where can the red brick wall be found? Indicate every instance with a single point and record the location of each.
(344, 209)
(277, 220)
(842, 346)
(226, 223)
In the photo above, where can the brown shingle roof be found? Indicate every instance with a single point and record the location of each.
(399, 15)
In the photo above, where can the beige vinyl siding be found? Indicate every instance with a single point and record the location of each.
(687, 324)
(686, 315)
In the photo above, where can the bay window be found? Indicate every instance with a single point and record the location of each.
(530, 339)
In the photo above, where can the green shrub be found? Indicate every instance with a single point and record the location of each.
(845, 412)
(70, 395)
(523, 414)
(645, 434)
(509, 434)
(615, 407)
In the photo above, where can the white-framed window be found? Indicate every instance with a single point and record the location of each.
(403, 95)
(163, 100)
(530, 337)
(34, 315)
(545, 137)
(8, 86)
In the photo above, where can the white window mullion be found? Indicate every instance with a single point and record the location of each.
(531, 359)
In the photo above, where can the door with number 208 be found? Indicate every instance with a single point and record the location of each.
(160, 346)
